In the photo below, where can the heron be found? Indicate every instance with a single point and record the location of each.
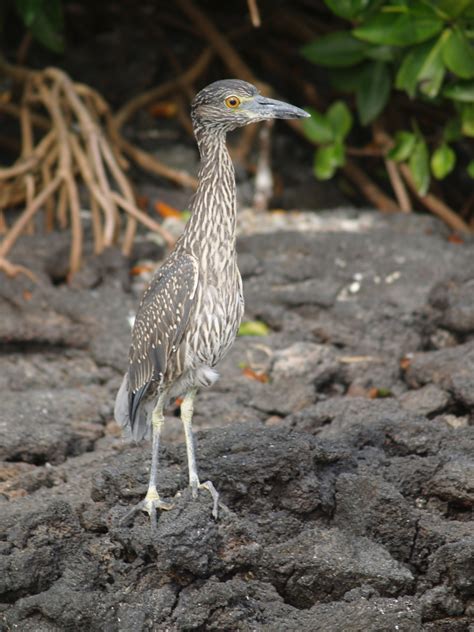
(191, 311)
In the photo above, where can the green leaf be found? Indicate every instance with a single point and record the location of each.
(44, 31)
(462, 91)
(317, 128)
(432, 71)
(335, 50)
(452, 131)
(44, 18)
(28, 9)
(373, 91)
(381, 53)
(458, 54)
(340, 119)
(400, 26)
(419, 166)
(404, 145)
(470, 169)
(327, 159)
(407, 75)
(442, 161)
(348, 9)
(422, 64)
(253, 328)
(383, 392)
(453, 8)
(467, 119)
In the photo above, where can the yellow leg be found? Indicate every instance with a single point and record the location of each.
(152, 500)
(187, 408)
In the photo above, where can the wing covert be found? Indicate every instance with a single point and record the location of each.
(160, 323)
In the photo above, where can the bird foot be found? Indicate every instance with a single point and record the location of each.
(195, 485)
(151, 503)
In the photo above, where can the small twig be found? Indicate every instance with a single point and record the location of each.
(398, 187)
(254, 13)
(234, 62)
(429, 201)
(37, 119)
(96, 192)
(384, 143)
(366, 186)
(27, 149)
(12, 270)
(127, 192)
(368, 151)
(218, 42)
(96, 226)
(369, 189)
(17, 228)
(92, 135)
(30, 162)
(145, 219)
(435, 205)
(150, 163)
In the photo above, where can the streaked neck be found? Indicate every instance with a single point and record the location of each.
(211, 227)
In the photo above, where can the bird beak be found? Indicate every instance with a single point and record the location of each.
(264, 108)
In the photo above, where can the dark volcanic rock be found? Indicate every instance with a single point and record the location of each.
(455, 562)
(451, 369)
(49, 426)
(454, 482)
(323, 564)
(375, 508)
(455, 301)
(365, 615)
(341, 510)
(35, 545)
(427, 400)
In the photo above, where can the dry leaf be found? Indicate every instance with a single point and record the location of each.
(141, 269)
(405, 363)
(254, 375)
(165, 210)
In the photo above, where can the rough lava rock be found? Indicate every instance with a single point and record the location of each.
(341, 444)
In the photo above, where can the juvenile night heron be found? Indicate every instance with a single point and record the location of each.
(190, 313)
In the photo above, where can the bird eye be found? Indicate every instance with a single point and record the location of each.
(232, 102)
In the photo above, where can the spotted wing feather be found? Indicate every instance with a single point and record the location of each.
(159, 325)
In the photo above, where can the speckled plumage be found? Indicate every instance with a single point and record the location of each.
(190, 313)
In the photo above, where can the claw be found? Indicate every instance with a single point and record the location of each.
(195, 485)
(151, 503)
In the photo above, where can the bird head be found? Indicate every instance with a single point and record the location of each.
(232, 103)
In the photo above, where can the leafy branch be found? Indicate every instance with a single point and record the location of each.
(421, 49)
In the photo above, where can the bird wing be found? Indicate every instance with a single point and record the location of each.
(160, 323)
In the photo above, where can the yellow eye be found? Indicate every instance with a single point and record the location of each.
(232, 102)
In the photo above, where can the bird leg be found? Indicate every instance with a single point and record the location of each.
(152, 500)
(187, 408)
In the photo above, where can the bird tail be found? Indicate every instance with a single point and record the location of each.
(140, 427)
